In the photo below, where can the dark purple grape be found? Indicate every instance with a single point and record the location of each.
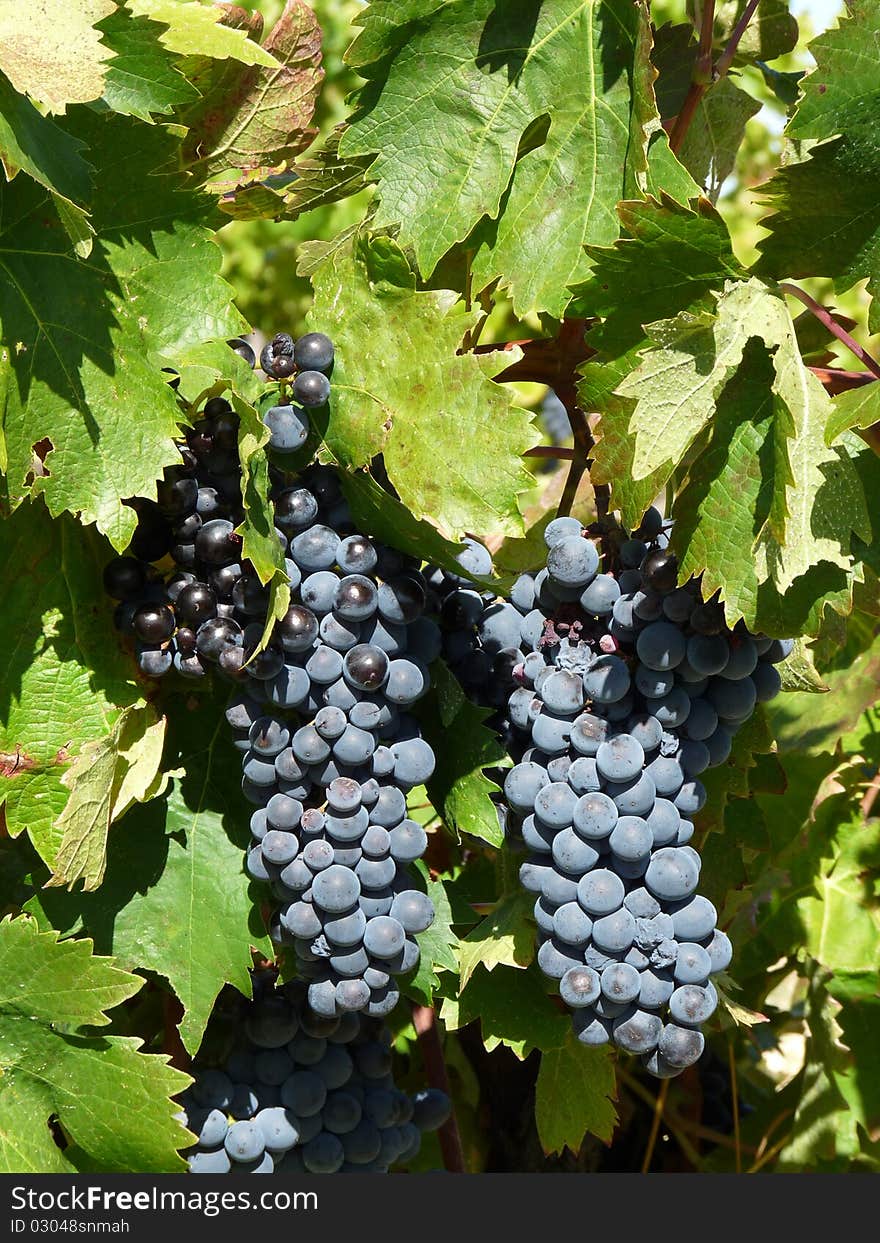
(215, 635)
(366, 667)
(153, 623)
(243, 350)
(124, 578)
(311, 388)
(186, 641)
(660, 570)
(295, 508)
(276, 357)
(217, 543)
(297, 629)
(177, 495)
(195, 604)
(314, 352)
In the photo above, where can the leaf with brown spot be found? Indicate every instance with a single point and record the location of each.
(251, 123)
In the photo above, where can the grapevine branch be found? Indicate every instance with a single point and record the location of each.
(825, 317)
(701, 78)
(704, 74)
(425, 1023)
(544, 362)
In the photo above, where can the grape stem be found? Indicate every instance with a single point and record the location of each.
(425, 1023)
(655, 1126)
(551, 451)
(704, 73)
(825, 317)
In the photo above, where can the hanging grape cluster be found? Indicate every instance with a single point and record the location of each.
(620, 688)
(329, 748)
(298, 1093)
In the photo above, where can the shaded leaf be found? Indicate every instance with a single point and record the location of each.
(141, 77)
(513, 1009)
(175, 899)
(826, 210)
(107, 776)
(91, 338)
(574, 1096)
(249, 124)
(34, 144)
(464, 748)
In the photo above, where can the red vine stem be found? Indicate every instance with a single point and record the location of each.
(701, 79)
(836, 380)
(425, 1023)
(544, 363)
(551, 451)
(704, 74)
(825, 317)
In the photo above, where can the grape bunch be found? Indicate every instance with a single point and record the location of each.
(300, 1093)
(628, 687)
(308, 363)
(330, 750)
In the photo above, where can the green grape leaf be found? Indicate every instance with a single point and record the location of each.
(724, 513)
(401, 389)
(574, 1096)
(438, 946)
(91, 338)
(63, 984)
(839, 912)
(65, 680)
(259, 542)
(506, 937)
(464, 747)
(53, 53)
(804, 723)
(34, 144)
(669, 260)
(76, 225)
(470, 82)
(194, 29)
(715, 135)
(514, 1010)
(175, 899)
(250, 124)
(802, 502)
(855, 408)
(141, 79)
(772, 31)
(317, 179)
(825, 216)
(838, 1095)
(858, 1021)
(107, 776)
(49, 1068)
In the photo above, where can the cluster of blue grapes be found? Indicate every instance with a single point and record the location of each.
(330, 781)
(330, 748)
(622, 688)
(301, 1093)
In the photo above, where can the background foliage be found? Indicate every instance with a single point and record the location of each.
(428, 182)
